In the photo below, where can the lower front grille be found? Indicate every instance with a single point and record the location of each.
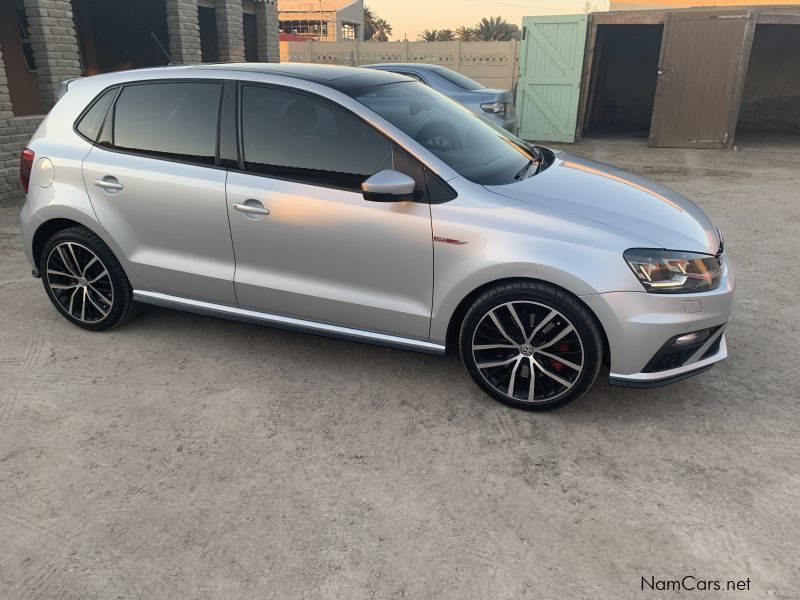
(712, 349)
(677, 351)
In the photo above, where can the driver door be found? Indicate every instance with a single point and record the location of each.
(318, 250)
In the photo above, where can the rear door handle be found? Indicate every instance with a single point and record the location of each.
(108, 183)
(252, 207)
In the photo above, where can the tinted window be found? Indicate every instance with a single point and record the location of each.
(460, 80)
(296, 136)
(475, 148)
(93, 119)
(172, 120)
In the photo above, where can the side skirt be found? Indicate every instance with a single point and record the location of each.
(290, 323)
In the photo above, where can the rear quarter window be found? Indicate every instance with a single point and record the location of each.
(91, 123)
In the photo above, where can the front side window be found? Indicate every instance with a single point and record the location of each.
(470, 145)
(170, 120)
(303, 138)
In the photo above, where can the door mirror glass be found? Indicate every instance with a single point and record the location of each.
(388, 186)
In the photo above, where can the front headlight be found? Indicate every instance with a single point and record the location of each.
(674, 272)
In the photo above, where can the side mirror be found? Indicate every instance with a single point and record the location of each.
(388, 186)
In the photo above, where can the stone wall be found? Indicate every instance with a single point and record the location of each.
(494, 64)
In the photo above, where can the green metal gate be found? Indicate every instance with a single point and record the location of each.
(550, 63)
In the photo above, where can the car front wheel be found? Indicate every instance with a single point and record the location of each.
(531, 345)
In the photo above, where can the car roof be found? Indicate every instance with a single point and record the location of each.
(338, 77)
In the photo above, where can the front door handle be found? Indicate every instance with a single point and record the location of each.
(108, 183)
(252, 207)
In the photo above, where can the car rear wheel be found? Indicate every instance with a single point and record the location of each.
(85, 281)
(531, 345)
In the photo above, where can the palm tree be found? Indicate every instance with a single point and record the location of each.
(446, 35)
(465, 34)
(495, 29)
(369, 23)
(429, 35)
(382, 30)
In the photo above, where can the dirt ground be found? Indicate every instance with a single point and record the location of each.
(187, 457)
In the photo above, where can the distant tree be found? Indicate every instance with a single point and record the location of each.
(429, 35)
(446, 35)
(465, 34)
(496, 29)
(369, 23)
(589, 7)
(382, 30)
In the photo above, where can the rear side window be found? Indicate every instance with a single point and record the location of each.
(300, 137)
(416, 76)
(176, 120)
(460, 80)
(92, 121)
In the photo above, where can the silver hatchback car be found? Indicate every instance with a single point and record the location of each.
(363, 205)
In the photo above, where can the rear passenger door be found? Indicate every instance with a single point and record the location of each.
(319, 251)
(155, 187)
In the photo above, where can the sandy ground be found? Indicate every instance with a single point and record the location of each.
(187, 457)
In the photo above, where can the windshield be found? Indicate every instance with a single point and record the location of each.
(460, 80)
(476, 149)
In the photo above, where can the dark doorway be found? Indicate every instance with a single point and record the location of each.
(624, 79)
(771, 97)
(250, 37)
(209, 50)
(114, 36)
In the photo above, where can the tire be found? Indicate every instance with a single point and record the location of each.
(85, 281)
(560, 354)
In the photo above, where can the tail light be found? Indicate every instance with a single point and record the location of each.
(498, 108)
(25, 168)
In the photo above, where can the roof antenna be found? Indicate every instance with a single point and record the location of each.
(170, 60)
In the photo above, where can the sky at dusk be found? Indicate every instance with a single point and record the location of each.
(410, 17)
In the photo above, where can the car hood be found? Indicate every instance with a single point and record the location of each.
(598, 192)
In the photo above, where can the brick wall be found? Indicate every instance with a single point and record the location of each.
(184, 31)
(14, 134)
(55, 45)
(267, 27)
(230, 32)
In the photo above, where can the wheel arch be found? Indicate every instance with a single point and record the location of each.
(457, 317)
(50, 227)
(45, 231)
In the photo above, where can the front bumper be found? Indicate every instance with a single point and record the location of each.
(661, 378)
(638, 324)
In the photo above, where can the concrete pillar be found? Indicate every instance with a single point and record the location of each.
(230, 30)
(55, 45)
(183, 28)
(267, 31)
